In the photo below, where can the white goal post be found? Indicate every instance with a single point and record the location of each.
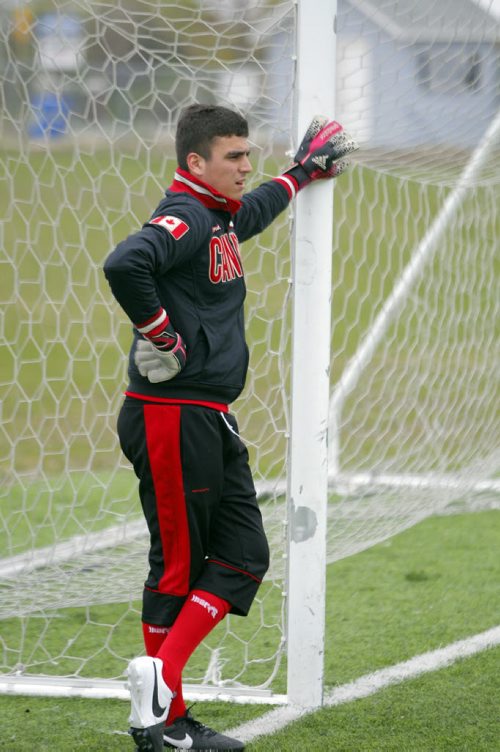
(372, 310)
(310, 377)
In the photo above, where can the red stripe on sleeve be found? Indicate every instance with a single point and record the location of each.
(289, 184)
(163, 441)
(155, 324)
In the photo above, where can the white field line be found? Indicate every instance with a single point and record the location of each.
(367, 685)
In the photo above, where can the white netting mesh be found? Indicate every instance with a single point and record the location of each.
(90, 96)
(414, 424)
(91, 92)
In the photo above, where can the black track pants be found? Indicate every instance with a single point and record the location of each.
(200, 506)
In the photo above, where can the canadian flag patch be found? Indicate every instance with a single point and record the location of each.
(175, 226)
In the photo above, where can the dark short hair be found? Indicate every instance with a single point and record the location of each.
(200, 124)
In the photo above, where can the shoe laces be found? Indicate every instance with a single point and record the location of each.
(198, 725)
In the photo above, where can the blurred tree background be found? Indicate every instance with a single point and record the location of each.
(132, 64)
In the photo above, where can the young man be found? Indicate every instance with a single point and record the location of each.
(180, 281)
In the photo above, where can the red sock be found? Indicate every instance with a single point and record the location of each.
(154, 637)
(199, 615)
(177, 706)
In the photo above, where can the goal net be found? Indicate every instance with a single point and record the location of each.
(90, 96)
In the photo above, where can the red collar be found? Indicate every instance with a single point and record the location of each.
(184, 182)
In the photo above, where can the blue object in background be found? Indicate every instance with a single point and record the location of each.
(50, 115)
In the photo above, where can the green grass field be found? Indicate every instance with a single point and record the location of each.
(63, 347)
(425, 588)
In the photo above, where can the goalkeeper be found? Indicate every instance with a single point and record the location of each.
(180, 281)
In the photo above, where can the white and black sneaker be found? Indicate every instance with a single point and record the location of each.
(186, 733)
(150, 702)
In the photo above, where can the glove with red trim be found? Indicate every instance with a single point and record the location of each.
(322, 151)
(162, 355)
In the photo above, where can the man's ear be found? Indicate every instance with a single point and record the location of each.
(196, 164)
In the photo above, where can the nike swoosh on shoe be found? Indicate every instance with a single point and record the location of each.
(185, 743)
(158, 710)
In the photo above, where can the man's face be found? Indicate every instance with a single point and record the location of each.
(228, 166)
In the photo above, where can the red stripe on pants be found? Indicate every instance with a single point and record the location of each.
(162, 423)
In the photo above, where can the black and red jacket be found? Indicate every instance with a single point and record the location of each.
(186, 259)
